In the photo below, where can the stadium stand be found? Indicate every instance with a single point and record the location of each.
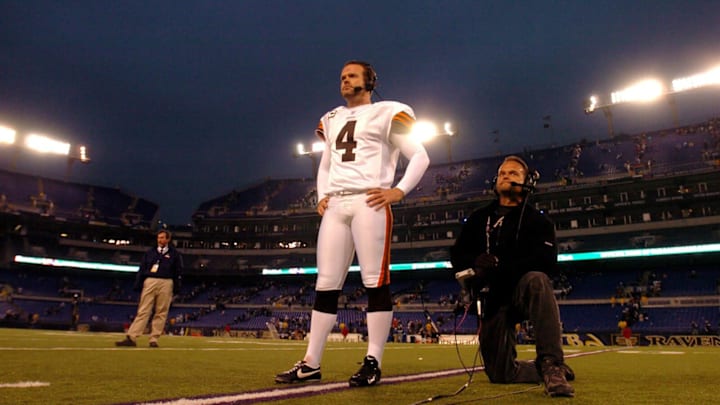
(73, 201)
(653, 189)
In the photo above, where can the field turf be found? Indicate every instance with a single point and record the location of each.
(55, 367)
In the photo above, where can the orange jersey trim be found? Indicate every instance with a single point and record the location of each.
(384, 278)
(404, 118)
(402, 123)
(320, 131)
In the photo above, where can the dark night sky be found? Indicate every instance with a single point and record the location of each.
(180, 102)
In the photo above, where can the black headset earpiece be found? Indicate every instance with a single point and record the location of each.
(370, 78)
(531, 178)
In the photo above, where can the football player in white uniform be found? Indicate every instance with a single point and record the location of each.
(363, 141)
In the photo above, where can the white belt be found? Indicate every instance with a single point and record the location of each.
(342, 193)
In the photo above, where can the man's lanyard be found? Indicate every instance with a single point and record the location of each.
(161, 252)
(489, 229)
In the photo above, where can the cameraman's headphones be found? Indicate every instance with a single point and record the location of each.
(531, 175)
(369, 74)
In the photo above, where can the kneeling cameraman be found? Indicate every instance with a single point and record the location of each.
(511, 249)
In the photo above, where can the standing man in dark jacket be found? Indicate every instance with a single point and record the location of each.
(510, 247)
(159, 279)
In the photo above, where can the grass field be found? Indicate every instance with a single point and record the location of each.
(86, 368)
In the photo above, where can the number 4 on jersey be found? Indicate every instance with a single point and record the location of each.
(345, 140)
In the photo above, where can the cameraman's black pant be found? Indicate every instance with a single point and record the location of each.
(534, 300)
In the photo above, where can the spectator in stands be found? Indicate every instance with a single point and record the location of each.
(158, 278)
(511, 248)
(363, 141)
(627, 335)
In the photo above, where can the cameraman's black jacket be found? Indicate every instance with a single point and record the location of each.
(533, 248)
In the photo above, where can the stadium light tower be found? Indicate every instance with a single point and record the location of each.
(7, 135)
(592, 104)
(696, 81)
(705, 79)
(644, 91)
(77, 154)
(44, 144)
(315, 149)
(424, 131)
(7, 138)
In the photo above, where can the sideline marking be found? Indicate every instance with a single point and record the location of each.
(272, 394)
(25, 384)
(299, 391)
(641, 352)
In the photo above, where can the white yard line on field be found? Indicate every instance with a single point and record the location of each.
(25, 384)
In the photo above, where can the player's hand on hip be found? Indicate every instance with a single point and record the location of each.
(379, 198)
(322, 205)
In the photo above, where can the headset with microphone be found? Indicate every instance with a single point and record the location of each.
(528, 186)
(530, 182)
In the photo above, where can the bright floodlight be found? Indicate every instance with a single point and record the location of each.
(300, 149)
(43, 144)
(591, 104)
(423, 131)
(7, 135)
(643, 91)
(449, 131)
(316, 147)
(709, 78)
(83, 156)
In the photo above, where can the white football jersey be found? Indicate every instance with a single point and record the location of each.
(362, 156)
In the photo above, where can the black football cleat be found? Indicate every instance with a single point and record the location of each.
(300, 372)
(369, 373)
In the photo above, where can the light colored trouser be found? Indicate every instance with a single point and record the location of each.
(350, 225)
(157, 293)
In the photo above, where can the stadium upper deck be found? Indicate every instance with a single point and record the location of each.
(66, 201)
(651, 189)
(657, 153)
